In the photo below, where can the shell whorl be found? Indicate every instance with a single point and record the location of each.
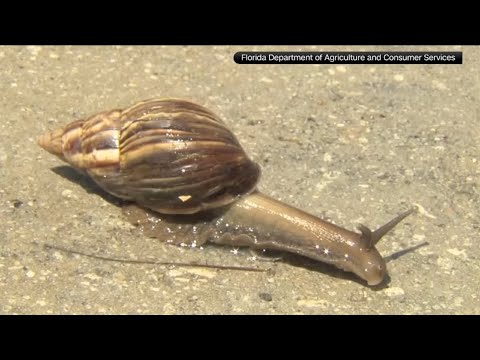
(170, 155)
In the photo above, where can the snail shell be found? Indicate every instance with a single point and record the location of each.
(169, 155)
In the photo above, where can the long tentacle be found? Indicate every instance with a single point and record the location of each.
(372, 238)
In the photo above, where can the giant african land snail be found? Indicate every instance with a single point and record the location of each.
(178, 160)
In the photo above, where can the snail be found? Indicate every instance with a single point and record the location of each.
(191, 182)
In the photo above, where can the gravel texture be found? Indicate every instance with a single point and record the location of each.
(351, 143)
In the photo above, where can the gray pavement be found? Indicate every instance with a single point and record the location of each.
(351, 143)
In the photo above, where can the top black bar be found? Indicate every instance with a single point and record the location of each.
(248, 24)
(345, 57)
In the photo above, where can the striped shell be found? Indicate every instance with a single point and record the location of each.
(170, 155)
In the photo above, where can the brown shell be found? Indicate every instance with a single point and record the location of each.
(170, 155)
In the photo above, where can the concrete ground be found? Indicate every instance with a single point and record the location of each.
(351, 143)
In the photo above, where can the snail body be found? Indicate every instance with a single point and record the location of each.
(194, 183)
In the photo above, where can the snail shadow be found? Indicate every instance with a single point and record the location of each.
(77, 177)
(403, 252)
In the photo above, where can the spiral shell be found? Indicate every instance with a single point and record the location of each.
(170, 155)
